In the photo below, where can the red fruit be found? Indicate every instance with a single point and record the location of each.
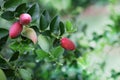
(25, 19)
(67, 44)
(15, 30)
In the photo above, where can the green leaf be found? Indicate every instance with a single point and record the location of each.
(12, 4)
(8, 15)
(20, 9)
(2, 75)
(47, 16)
(30, 34)
(44, 20)
(25, 74)
(69, 27)
(3, 41)
(18, 46)
(3, 32)
(44, 43)
(43, 23)
(54, 25)
(58, 51)
(14, 56)
(62, 28)
(41, 54)
(34, 11)
(47, 33)
(15, 46)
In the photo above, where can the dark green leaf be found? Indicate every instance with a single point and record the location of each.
(14, 56)
(47, 16)
(56, 42)
(12, 4)
(47, 33)
(34, 11)
(43, 23)
(3, 41)
(41, 54)
(3, 32)
(8, 15)
(9, 72)
(62, 28)
(54, 25)
(57, 52)
(21, 9)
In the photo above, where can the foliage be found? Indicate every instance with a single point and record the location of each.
(21, 58)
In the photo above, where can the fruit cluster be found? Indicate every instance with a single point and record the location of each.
(24, 19)
(17, 27)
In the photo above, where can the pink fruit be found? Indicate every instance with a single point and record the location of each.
(15, 30)
(67, 44)
(25, 19)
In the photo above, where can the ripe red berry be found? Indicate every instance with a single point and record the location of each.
(15, 30)
(67, 44)
(25, 19)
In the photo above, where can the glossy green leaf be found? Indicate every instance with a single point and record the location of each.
(54, 25)
(8, 15)
(25, 74)
(47, 16)
(34, 11)
(44, 43)
(44, 20)
(62, 28)
(41, 54)
(2, 75)
(12, 4)
(58, 51)
(43, 23)
(22, 8)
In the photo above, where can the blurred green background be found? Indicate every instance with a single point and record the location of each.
(97, 35)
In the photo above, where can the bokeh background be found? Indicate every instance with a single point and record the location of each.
(97, 23)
